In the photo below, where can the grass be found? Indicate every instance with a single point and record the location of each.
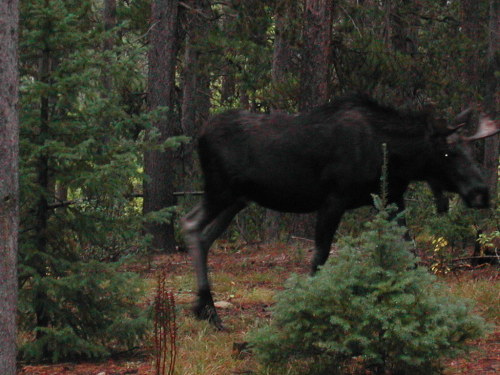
(485, 291)
(249, 279)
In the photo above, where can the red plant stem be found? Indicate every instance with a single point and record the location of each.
(165, 328)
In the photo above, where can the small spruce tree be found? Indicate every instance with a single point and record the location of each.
(92, 309)
(370, 306)
(81, 147)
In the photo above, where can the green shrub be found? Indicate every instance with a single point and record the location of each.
(90, 311)
(369, 307)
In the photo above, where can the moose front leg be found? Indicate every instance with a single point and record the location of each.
(327, 222)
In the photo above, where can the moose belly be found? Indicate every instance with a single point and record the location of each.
(299, 196)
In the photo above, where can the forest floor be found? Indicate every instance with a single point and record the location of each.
(247, 277)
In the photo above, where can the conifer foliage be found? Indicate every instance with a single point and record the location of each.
(370, 306)
(81, 153)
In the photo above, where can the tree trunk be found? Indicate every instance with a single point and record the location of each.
(314, 72)
(9, 189)
(109, 23)
(43, 160)
(492, 98)
(42, 206)
(472, 25)
(283, 39)
(228, 84)
(196, 82)
(195, 98)
(159, 165)
(316, 54)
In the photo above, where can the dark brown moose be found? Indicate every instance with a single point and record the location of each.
(328, 160)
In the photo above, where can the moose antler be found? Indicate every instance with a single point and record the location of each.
(487, 127)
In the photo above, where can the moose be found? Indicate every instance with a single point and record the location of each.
(328, 160)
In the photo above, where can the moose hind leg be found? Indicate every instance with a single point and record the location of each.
(220, 224)
(193, 225)
(202, 226)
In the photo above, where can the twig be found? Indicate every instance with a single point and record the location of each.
(474, 257)
(52, 206)
(301, 239)
(181, 193)
(199, 12)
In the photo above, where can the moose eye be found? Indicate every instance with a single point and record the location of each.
(446, 155)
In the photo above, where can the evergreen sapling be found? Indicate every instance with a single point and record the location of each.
(370, 306)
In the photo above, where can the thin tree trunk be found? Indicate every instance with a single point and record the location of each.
(195, 90)
(284, 15)
(228, 84)
(492, 98)
(9, 189)
(42, 208)
(43, 160)
(195, 97)
(316, 54)
(472, 25)
(315, 71)
(109, 23)
(159, 165)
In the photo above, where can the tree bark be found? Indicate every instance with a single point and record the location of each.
(228, 84)
(281, 66)
(43, 160)
(472, 25)
(316, 54)
(196, 84)
(9, 188)
(159, 165)
(315, 71)
(109, 42)
(195, 97)
(43, 181)
(492, 98)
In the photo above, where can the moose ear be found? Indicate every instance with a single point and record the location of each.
(464, 117)
(453, 137)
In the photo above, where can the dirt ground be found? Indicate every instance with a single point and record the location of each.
(232, 263)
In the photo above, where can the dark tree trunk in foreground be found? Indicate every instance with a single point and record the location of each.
(9, 189)
(316, 53)
(159, 165)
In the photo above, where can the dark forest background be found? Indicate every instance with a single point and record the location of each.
(113, 92)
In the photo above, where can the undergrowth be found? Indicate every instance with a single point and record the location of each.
(369, 308)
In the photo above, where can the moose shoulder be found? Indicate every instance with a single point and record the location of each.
(328, 160)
